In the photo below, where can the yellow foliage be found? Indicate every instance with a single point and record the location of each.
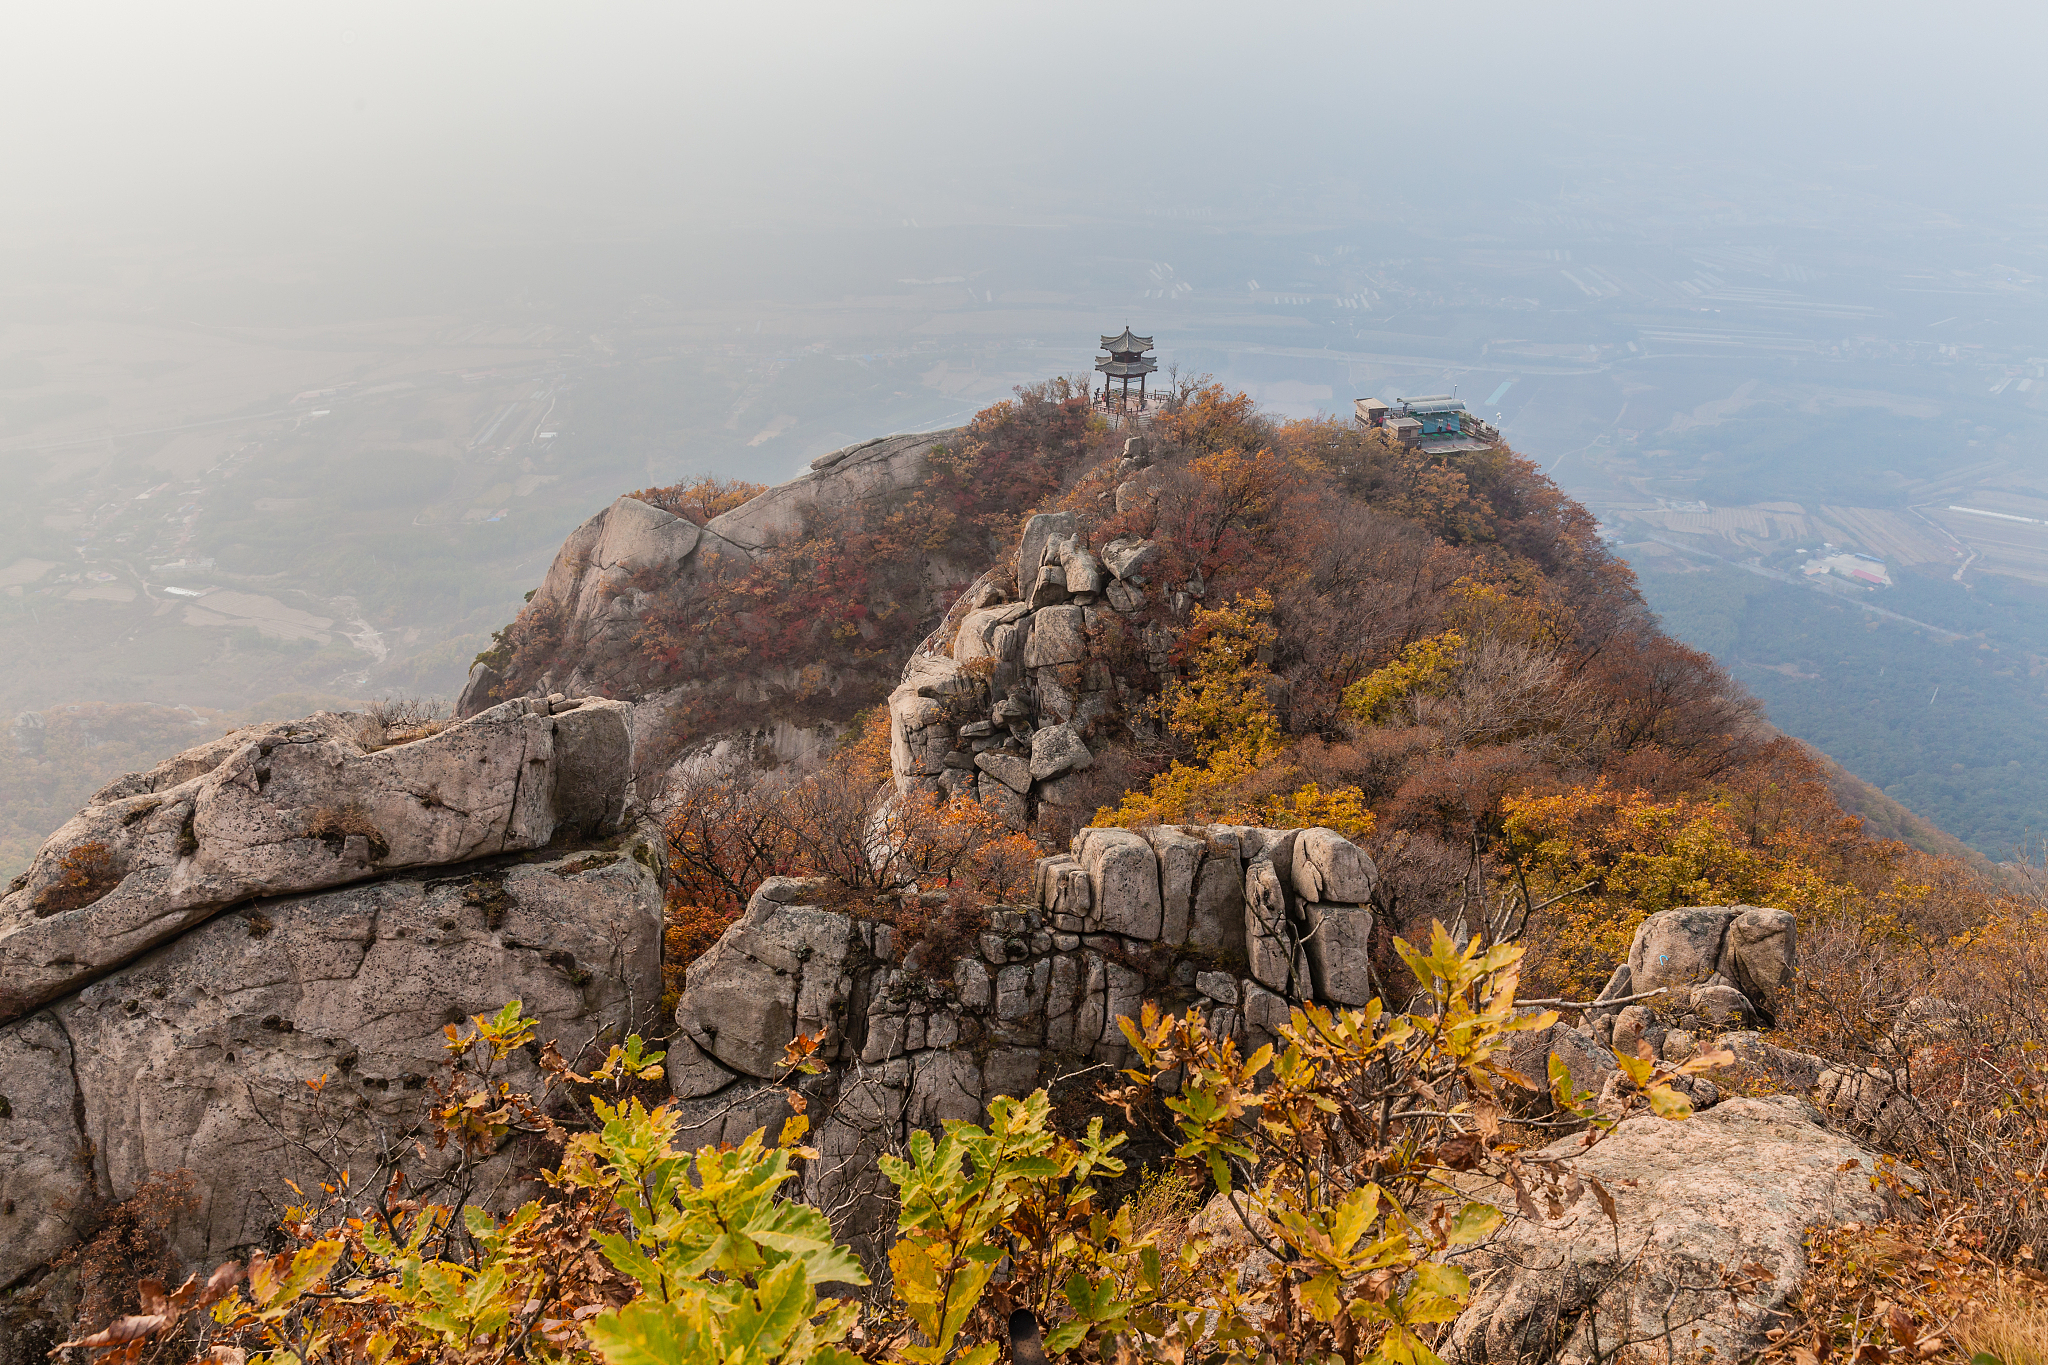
(1518, 610)
(1342, 809)
(1422, 667)
(1217, 794)
(1636, 856)
(1224, 705)
(1186, 794)
(1224, 714)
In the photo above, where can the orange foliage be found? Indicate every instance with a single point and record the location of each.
(84, 874)
(702, 498)
(730, 829)
(1210, 418)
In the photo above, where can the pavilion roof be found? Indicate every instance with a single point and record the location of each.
(1128, 343)
(1119, 369)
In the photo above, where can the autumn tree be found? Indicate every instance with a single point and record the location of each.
(702, 498)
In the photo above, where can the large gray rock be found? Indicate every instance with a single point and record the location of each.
(1277, 959)
(926, 710)
(1127, 558)
(1081, 570)
(601, 556)
(48, 1178)
(310, 804)
(1031, 549)
(1057, 637)
(1752, 948)
(777, 972)
(1180, 862)
(1012, 770)
(1329, 867)
(1740, 1184)
(1217, 922)
(1589, 1063)
(1123, 875)
(864, 473)
(1339, 948)
(196, 1055)
(977, 637)
(1678, 949)
(1055, 750)
(1760, 952)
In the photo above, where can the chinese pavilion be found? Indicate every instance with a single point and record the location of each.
(1126, 361)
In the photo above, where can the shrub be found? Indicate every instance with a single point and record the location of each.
(702, 498)
(84, 873)
(645, 1251)
(332, 825)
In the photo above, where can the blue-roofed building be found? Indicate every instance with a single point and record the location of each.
(1438, 423)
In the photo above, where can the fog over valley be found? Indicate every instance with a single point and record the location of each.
(319, 330)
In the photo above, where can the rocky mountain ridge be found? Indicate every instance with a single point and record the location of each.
(312, 901)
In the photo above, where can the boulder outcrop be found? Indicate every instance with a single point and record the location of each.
(915, 1029)
(1707, 1244)
(1728, 965)
(595, 592)
(295, 807)
(1003, 704)
(307, 902)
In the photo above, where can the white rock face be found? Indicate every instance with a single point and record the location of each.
(1742, 1183)
(195, 1055)
(296, 807)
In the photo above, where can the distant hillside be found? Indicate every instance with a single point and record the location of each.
(1954, 730)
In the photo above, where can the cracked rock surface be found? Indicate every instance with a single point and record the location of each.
(307, 899)
(295, 807)
(910, 1039)
(1728, 1195)
(195, 1056)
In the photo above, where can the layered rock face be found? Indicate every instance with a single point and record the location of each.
(294, 807)
(1004, 710)
(313, 899)
(603, 577)
(1234, 921)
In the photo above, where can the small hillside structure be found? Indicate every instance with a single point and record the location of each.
(1126, 361)
(1437, 423)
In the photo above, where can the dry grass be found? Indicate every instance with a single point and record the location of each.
(2014, 1332)
(401, 720)
(84, 874)
(332, 825)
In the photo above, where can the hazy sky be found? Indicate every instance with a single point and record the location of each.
(241, 121)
